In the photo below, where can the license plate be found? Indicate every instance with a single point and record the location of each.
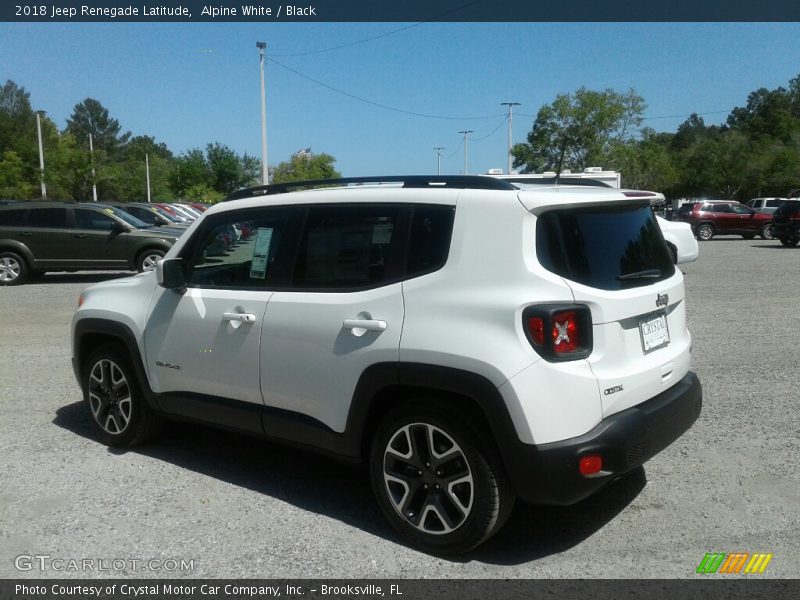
(654, 332)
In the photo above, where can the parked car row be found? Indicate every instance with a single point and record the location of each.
(36, 237)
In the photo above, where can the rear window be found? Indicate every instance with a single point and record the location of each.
(788, 208)
(605, 247)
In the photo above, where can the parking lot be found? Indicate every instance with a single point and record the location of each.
(239, 507)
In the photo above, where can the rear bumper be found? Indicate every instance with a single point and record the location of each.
(548, 473)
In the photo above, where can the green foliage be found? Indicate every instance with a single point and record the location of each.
(586, 126)
(13, 184)
(91, 117)
(202, 193)
(304, 166)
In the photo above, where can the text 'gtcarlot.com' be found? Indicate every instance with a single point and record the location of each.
(45, 562)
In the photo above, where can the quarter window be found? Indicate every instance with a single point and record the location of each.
(12, 218)
(429, 245)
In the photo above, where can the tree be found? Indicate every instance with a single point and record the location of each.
(13, 183)
(305, 165)
(219, 169)
(585, 126)
(69, 171)
(91, 117)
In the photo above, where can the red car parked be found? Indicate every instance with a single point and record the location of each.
(723, 217)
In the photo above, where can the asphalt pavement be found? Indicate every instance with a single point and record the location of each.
(233, 506)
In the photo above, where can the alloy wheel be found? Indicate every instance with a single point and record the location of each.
(428, 478)
(149, 261)
(9, 269)
(110, 396)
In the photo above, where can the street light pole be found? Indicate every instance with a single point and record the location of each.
(510, 106)
(466, 148)
(438, 159)
(264, 170)
(94, 176)
(41, 152)
(147, 174)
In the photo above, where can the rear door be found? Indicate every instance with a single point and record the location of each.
(45, 231)
(615, 260)
(342, 312)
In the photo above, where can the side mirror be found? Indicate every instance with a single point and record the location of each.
(161, 220)
(170, 275)
(118, 227)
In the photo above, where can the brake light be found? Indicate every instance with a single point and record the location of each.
(559, 332)
(566, 336)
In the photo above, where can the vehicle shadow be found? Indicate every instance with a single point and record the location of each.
(63, 277)
(779, 246)
(299, 478)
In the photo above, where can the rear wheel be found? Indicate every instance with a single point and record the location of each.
(790, 242)
(438, 481)
(13, 269)
(147, 260)
(766, 232)
(705, 232)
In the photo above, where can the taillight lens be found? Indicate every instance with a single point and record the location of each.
(559, 332)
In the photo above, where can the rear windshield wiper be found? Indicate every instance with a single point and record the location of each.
(647, 274)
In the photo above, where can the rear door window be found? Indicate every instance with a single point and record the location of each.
(47, 218)
(604, 247)
(12, 218)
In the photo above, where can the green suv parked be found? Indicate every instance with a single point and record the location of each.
(36, 237)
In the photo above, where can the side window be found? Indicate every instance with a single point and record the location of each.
(12, 218)
(741, 210)
(346, 247)
(48, 218)
(429, 245)
(721, 208)
(91, 219)
(775, 203)
(237, 250)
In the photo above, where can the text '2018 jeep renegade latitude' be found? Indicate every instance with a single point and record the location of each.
(471, 342)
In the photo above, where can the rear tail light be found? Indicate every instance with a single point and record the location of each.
(559, 332)
(591, 464)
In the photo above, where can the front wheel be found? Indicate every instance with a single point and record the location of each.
(766, 232)
(120, 414)
(437, 480)
(705, 232)
(147, 260)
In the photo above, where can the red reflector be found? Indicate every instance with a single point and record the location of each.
(536, 329)
(565, 332)
(590, 464)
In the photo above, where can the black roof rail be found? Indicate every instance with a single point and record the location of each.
(562, 179)
(479, 182)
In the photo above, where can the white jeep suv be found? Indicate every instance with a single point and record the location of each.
(472, 343)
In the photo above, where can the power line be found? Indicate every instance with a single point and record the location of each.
(377, 104)
(382, 35)
(480, 139)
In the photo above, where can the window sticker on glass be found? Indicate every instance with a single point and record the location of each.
(382, 233)
(258, 268)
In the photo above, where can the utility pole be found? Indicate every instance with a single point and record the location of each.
(466, 148)
(147, 174)
(39, 113)
(94, 177)
(264, 170)
(438, 159)
(510, 106)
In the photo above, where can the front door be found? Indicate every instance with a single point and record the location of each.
(203, 344)
(96, 242)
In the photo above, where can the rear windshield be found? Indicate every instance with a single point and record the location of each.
(605, 247)
(788, 208)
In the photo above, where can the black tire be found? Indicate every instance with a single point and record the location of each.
(766, 232)
(705, 231)
(13, 269)
(790, 242)
(147, 259)
(118, 409)
(432, 490)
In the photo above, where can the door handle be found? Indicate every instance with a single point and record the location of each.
(242, 317)
(26, 234)
(364, 325)
(80, 236)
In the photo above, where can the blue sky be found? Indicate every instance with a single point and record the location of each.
(189, 84)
